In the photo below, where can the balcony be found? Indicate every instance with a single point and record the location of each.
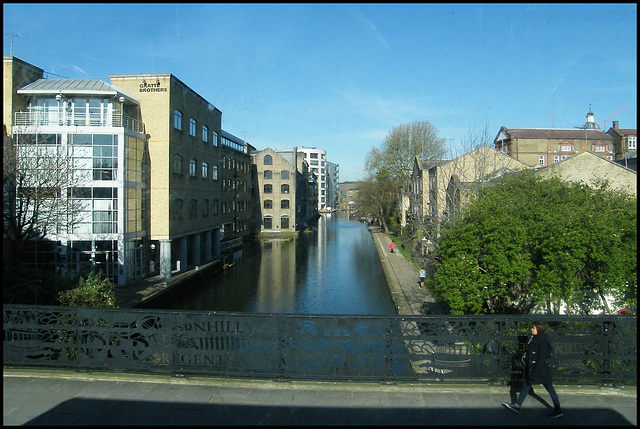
(42, 116)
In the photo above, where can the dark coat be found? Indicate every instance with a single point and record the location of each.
(536, 365)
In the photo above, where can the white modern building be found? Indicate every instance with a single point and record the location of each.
(327, 174)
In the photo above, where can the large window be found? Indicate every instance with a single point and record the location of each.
(205, 170)
(268, 222)
(177, 120)
(193, 166)
(177, 209)
(284, 174)
(268, 174)
(205, 134)
(215, 138)
(105, 157)
(192, 127)
(284, 222)
(177, 164)
(268, 160)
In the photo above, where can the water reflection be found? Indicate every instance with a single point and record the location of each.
(334, 270)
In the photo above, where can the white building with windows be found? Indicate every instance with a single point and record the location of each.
(327, 176)
(96, 128)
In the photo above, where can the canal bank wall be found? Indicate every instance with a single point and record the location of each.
(154, 292)
(404, 283)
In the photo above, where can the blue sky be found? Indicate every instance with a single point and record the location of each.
(339, 77)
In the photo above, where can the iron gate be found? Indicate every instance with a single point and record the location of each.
(598, 349)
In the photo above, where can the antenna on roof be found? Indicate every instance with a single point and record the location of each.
(12, 36)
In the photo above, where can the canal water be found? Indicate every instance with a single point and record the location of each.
(333, 270)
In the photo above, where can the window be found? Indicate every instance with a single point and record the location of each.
(177, 209)
(284, 174)
(314, 156)
(215, 138)
(599, 148)
(205, 208)
(284, 189)
(556, 159)
(268, 160)
(268, 189)
(193, 164)
(541, 160)
(268, 222)
(214, 172)
(565, 148)
(632, 142)
(177, 164)
(215, 207)
(268, 174)
(177, 120)
(193, 209)
(284, 222)
(205, 170)
(268, 204)
(205, 134)
(284, 204)
(192, 127)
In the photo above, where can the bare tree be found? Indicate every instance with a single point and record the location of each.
(36, 177)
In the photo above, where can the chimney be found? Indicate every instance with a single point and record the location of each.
(615, 125)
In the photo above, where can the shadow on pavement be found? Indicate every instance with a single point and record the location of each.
(80, 411)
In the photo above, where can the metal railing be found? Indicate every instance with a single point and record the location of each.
(589, 349)
(43, 116)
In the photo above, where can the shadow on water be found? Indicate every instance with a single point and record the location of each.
(333, 270)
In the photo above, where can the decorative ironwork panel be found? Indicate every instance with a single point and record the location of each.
(449, 348)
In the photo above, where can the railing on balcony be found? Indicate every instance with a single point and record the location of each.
(93, 117)
(589, 349)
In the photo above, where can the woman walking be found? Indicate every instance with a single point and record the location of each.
(537, 370)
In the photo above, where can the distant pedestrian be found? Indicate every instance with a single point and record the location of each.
(537, 370)
(423, 274)
(392, 246)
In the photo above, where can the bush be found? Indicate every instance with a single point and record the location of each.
(94, 291)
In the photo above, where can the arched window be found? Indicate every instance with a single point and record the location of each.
(268, 188)
(205, 170)
(284, 222)
(284, 174)
(284, 189)
(177, 164)
(177, 209)
(284, 204)
(268, 222)
(268, 160)
(177, 120)
(268, 174)
(205, 134)
(193, 165)
(268, 204)
(192, 127)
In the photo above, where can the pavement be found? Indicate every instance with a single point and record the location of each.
(59, 397)
(403, 279)
(56, 397)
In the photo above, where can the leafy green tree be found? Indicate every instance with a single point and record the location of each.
(390, 165)
(94, 291)
(528, 242)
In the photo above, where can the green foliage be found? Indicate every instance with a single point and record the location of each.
(94, 291)
(528, 241)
